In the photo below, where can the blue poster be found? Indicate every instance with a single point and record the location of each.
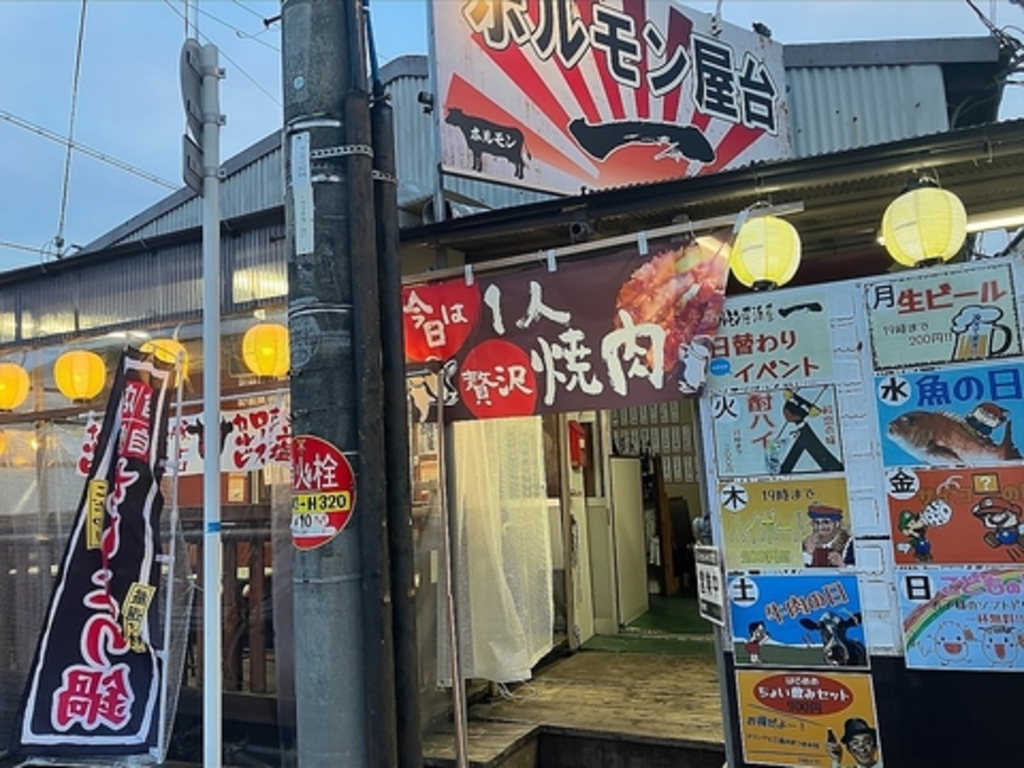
(797, 620)
(963, 618)
(963, 416)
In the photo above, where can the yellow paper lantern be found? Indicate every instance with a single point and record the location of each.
(265, 349)
(766, 253)
(166, 351)
(80, 375)
(924, 223)
(13, 386)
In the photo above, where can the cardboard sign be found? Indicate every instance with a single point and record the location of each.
(323, 491)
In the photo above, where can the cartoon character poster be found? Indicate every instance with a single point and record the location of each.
(808, 718)
(961, 416)
(798, 621)
(957, 516)
(794, 430)
(963, 618)
(800, 522)
(947, 316)
(768, 341)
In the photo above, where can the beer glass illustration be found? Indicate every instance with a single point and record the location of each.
(978, 334)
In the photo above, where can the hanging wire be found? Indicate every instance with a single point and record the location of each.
(58, 239)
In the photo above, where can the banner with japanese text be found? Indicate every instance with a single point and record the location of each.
(94, 685)
(936, 317)
(250, 438)
(807, 620)
(613, 330)
(770, 523)
(963, 618)
(808, 719)
(590, 94)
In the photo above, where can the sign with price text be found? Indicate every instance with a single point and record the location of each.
(323, 491)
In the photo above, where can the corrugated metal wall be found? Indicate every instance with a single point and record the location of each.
(838, 108)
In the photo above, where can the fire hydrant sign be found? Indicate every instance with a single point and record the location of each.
(323, 491)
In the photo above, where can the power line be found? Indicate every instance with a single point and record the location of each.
(241, 33)
(244, 7)
(95, 154)
(58, 240)
(27, 248)
(246, 75)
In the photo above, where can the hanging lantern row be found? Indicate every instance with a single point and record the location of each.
(923, 225)
(80, 375)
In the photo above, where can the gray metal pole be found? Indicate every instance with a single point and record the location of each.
(344, 694)
(212, 641)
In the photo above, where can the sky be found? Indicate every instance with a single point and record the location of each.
(127, 103)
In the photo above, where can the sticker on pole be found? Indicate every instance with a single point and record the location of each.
(323, 491)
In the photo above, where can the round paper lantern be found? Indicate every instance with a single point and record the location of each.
(13, 386)
(265, 349)
(80, 375)
(766, 253)
(924, 223)
(166, 351)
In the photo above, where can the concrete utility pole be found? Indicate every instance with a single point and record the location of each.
(344, 678)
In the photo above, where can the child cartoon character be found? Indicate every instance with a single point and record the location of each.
(1002, 518)
(758, 636)
(915, 529)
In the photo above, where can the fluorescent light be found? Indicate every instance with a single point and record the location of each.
(1010, 218)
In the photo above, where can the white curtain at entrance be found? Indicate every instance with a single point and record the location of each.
(503, 551)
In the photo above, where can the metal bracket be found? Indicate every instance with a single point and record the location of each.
(387, 178)
(348, 149)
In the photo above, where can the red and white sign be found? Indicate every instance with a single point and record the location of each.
(564, 95)
(323, 491)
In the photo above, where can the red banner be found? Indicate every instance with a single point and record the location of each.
(615, 330)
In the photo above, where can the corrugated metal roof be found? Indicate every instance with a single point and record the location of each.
(838, 108)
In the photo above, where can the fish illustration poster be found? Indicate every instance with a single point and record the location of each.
(809, 719)
(798, 522)
(798, 621)
(962, 618)
(948, 316)
(957, 516)
(788, 431)
(962, 416)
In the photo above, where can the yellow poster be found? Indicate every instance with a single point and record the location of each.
(808, 719)
(788, 523)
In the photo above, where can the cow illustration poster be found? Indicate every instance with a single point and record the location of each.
(963, 618)
(788, 620)
(957, 516)
(808, 718)
(798, 522)
(612, 330)
(770, 341)
(793, 430)
(956, 315)
(957, 416)
(591, 94)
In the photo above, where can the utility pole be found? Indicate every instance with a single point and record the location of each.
(200, 91)
(344, 671)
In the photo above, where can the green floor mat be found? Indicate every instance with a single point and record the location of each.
(672, 615)
(674, 646)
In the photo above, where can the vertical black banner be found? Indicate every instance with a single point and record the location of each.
(95, 683)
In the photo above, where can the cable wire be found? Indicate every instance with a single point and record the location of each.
(28, 248)
(58, 240)
(241, 33)
(21, 122)
(246, 75)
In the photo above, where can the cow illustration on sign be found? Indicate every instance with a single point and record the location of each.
(484, 137)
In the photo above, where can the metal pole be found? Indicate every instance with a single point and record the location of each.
(212, 673)
(344, 695)
(396, 430)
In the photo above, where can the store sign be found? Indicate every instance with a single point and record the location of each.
(809, 620)
(323, 491)
(808, 718)
(94, 686)
(710, 591)
(589, 94)
(962, 618)
(945, 317)
(624, 328)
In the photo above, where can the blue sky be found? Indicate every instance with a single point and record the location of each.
(129, 107)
